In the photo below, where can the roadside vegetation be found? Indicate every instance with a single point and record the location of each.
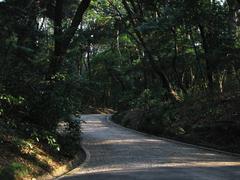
(169, 68)
(197, 120)
(39, 87)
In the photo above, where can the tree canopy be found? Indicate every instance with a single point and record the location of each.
(59, 57)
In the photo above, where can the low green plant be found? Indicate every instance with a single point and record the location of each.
(23, 144)
(147, 100)
(70, 140)
(14, 171)
(46, 137)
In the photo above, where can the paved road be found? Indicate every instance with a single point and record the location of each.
(120, 154)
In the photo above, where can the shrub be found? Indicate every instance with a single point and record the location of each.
(14, 171)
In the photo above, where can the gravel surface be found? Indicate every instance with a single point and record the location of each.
(120, 154)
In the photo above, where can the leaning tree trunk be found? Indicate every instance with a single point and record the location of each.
(63, 40)
(158, 71)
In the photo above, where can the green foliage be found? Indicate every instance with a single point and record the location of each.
(69, 141)
(13, 171)
(51, 140)
(146, 100)
(141, 55)
(22, 144)
(27, 95)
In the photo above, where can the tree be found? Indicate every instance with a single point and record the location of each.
(63, 40)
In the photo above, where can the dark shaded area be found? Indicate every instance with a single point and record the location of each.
(211, 123)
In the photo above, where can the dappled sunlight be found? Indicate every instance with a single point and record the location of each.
(80, 78)
(115, 150)
(124, 141)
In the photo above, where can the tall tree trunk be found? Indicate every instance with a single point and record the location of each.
(197, 58)
(58, 35)
(174, 62)
(234, 7)
(63, 40)
(88, 60)
(206, 48)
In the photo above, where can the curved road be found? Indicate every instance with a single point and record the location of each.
(121, 154)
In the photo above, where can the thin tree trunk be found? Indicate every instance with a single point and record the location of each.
(165, 81)
(118, 43)
(174, 62)
(207, 58)
(58, 35)
(198, 64)
(88, 60)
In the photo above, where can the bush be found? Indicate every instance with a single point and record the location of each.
(69, 139)
(14, 171)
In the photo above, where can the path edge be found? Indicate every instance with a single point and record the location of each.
(108, 119)
(68, 167)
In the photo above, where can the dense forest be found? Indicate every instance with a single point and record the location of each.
(170, 68)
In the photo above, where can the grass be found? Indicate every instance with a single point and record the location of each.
(14, 171)
(24, 158)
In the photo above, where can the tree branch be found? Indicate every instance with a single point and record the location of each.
(75, 23)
